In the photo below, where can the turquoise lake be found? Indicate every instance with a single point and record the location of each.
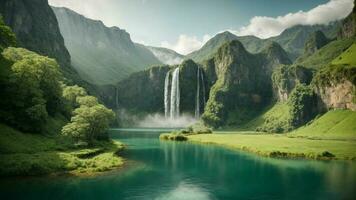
(164, 170)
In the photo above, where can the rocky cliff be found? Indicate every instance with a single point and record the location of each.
(102, 55)
(348, 28)
(286, 77)
(36, 28)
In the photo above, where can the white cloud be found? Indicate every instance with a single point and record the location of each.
(186, 44)
(265, 27)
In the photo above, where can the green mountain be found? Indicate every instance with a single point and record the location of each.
(101, 55)
(314, 42)
(326, 54)
(243, 85)
(166, 56)
(292, 41)
(211, 47)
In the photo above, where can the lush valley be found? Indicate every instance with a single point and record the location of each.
(68, 82)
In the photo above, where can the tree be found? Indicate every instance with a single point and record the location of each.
(32, 89)
(90, 121)
(70, 93)
(7, 37)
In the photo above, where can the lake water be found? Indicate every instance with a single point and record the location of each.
(166, 170)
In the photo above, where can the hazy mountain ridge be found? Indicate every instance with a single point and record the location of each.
(292, 41)
(102, 55)
(166, 56)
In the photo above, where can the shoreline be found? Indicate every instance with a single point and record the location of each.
(258, 145)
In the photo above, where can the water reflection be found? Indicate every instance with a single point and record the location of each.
(180, 170)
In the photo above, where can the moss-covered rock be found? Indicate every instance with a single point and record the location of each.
(243, 81)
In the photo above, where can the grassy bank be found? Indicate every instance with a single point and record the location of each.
(29, 154)
(280, 145)
(330, 136)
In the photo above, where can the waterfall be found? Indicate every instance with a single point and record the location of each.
(203, 82)
(200, 80)
(197, 97)
(166, 95)
(175, 95)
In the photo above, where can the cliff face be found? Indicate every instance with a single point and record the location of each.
(348, 28)
(36, 28)
(337, 96)
(286, 77)
(100, 54)
(143, 91)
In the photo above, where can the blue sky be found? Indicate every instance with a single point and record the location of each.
(166, 22)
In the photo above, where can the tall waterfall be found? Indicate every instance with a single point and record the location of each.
(171, 103)
(166, 95)
(172, 94)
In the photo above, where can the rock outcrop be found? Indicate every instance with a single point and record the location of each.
(348, 28)
(337, 96)
(36, 28)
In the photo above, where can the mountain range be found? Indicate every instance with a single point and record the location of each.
(292, 41)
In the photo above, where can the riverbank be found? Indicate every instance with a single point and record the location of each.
(28, 154)
(281, 145)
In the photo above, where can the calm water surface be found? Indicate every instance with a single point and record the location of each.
(173, 170)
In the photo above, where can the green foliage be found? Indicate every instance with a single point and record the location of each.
(243, 85)
(348, 57)
(214, 111)
(173, 136)
(70, 93)
(90, 120)
(302, 102)
(335, 74)
(285, 77)
(326, 54)
(7, 37)
(31, 89)
(274, 120)
(32, 154)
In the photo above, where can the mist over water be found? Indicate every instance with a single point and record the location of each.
(160, 121)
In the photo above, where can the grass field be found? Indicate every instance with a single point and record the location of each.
(347, 57)
(29, 154)
(335, 125)
(331, 136)
(280, 145)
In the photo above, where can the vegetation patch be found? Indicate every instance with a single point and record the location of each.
(181, 135)
(326, 54)
(32, 154)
